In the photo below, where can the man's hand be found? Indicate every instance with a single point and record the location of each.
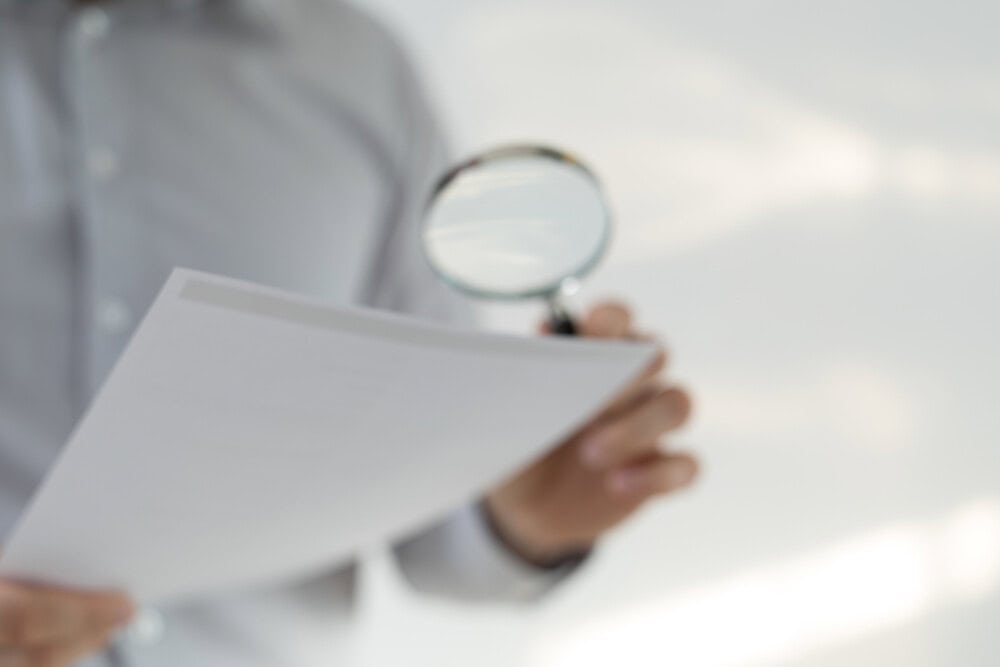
(593, 481)
(51, 627)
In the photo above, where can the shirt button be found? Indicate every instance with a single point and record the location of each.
(146, 628)
(113, 316)
(94, 23)
(102, 164)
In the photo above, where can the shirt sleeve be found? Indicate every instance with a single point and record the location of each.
(458, 557)
(461, 558)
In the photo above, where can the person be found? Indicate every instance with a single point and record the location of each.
(285, 142)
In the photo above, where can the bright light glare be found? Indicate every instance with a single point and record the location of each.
(861, 586)
(970, 549)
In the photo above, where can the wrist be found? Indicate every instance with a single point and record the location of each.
(536, 551)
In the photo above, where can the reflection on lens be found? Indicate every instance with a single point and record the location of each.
(516, 225)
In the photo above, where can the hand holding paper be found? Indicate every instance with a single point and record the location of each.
(559, 506)
(43, 625)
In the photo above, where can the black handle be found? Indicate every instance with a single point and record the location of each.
(560, 321)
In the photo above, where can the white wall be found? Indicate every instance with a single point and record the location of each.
(809, 209)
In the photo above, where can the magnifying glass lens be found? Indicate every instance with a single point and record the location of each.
(516, 226)
(516, 222)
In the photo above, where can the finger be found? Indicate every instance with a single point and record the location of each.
(639, 388)
(656, 475)
(611, 319)
(631, 435)
(545, 329)
(629, 401)
(34, 615)
(60, 655)
(642, 337)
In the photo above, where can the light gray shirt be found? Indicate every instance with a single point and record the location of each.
(284, 142)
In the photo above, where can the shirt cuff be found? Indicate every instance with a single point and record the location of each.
(461, 557)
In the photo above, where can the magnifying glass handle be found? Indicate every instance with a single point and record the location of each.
(561, 322)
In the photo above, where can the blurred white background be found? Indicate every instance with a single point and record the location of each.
(808, 198)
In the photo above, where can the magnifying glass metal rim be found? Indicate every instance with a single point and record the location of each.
(502, 153)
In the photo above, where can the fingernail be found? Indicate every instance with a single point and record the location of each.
(593, 453)
(681, 474)
(624, 482)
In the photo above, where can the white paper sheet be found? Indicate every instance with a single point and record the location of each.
(248, 434)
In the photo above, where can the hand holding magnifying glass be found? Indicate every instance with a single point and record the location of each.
(528, 221)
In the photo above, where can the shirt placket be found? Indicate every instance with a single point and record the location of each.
(106, 231)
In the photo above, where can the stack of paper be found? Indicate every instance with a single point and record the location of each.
(248, 434)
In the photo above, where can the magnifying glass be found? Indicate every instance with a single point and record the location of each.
(518, 222)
